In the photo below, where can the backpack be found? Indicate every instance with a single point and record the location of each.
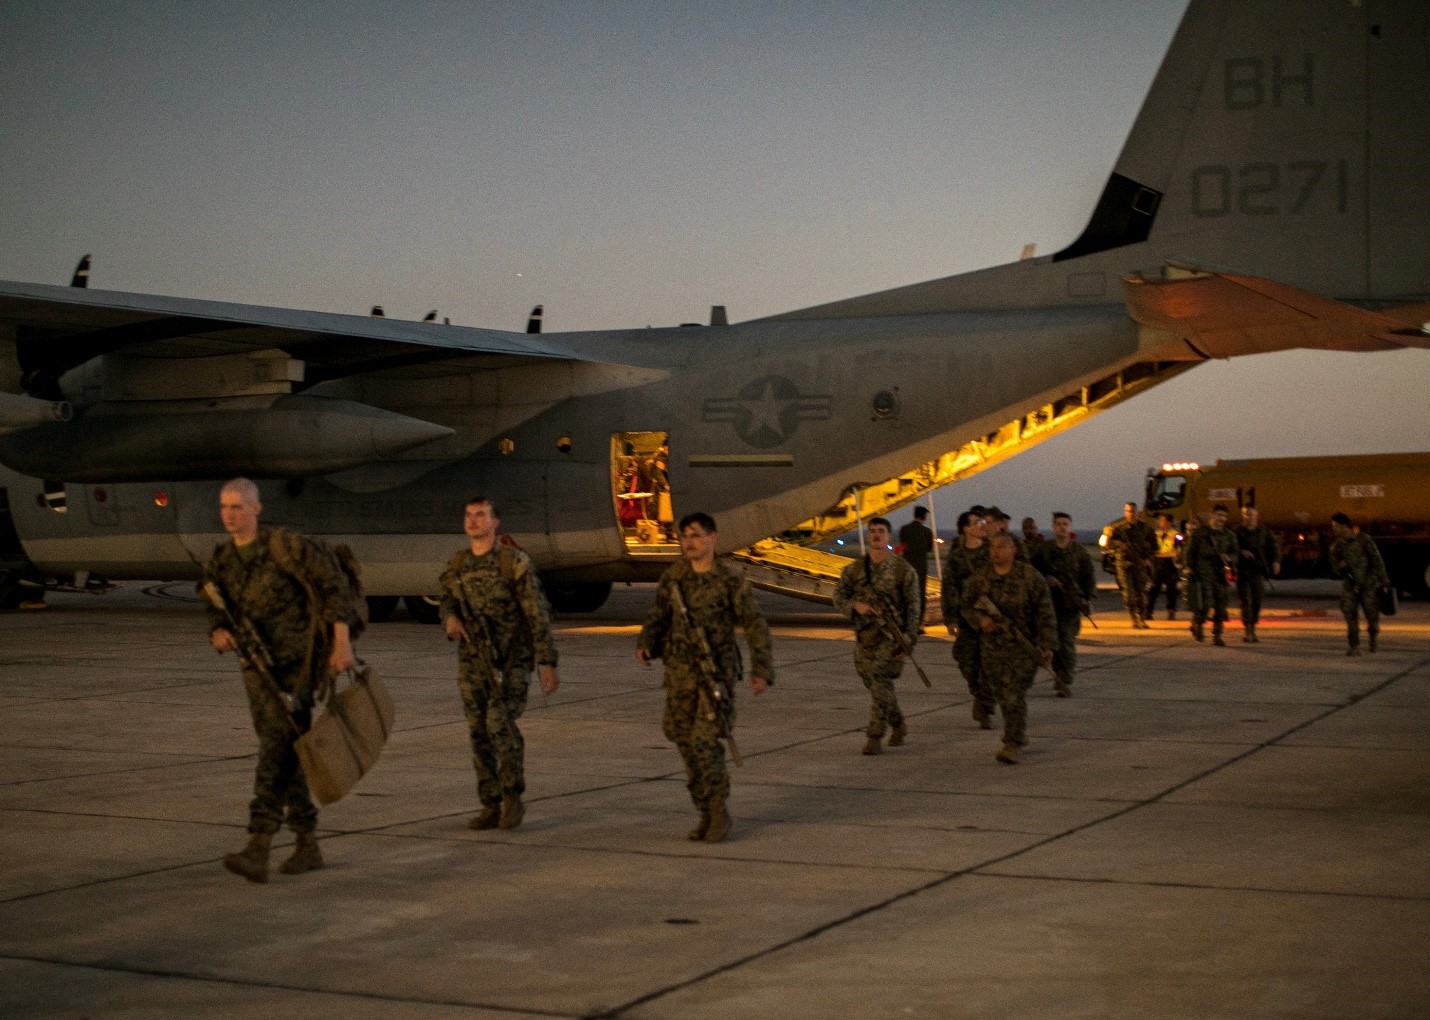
(285, 546)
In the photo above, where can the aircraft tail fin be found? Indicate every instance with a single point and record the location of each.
(1285, 141)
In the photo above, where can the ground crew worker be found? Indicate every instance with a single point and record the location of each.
(879, 593)
(917, 542)
(1211, 552)
(1166, 566)
(1131, 545)
(283, 610)
(1358, 563)
(1259, 558)
(1067, 568)
(1010, 604)
(968, 555)
(698, 604)
(493, 604)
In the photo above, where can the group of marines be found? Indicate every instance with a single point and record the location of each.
(1210, 558)
(1012, 605)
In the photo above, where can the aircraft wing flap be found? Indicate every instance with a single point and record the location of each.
(1224, 315)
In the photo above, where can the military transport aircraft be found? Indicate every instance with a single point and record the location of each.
(1274, 193)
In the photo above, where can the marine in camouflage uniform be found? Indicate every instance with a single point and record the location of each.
(718, 599)
(1358, 563)
(493, 604)
(1259, 558)
(306, 636)
(1133, 547)
(1068, 570)
(1016, 640)
(1211, 550)
(874, 584)
(962, 562)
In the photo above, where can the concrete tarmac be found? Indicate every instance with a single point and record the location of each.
(1198, 832)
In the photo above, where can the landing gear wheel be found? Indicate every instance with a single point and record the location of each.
(424, 608)
(381, 607)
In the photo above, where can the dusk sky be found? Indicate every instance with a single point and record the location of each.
(628, 164)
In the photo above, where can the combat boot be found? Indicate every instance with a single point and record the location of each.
(1197, 631)
(1009, 753)
(873, 746)
(982, 716)
(719, 821)
(898, 733)
(1171, 614)
(306, 856)
(1061, 688)
(1217, 639)
(487, 819)
(698, 833)
(1248, 633)
(1370, 644)
(512, 811)
(252, 861)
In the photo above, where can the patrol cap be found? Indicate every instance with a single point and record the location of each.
(978, 511)
(993, 511)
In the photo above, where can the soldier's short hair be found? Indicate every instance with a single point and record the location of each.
(1220, 508)
(1129, 503)
(479, 500)
(1063, 514)
(964, 520)
(700, 517)
(1340, 518)
(245, 488)
(880, 520)
(920, 512)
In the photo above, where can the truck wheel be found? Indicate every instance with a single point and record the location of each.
(424, 608)
(579, 597)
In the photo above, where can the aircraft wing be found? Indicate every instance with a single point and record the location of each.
(1223, 315)
(59, 328)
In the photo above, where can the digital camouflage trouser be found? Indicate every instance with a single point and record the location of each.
(1010, 675)
(1249, 592)
(1134, 576)
(1065, 654)
(1212, 598)
(687, 724)
(966, 655)
(497, 744)
(878, 669)
(279, 787)
(1356, 601)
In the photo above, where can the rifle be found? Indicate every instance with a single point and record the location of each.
(472, 624)
(1070, 590)
(253, 654)
(989, 608)
(713, 694)
(884, 617)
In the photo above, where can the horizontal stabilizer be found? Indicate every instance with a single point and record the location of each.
(1222, 316)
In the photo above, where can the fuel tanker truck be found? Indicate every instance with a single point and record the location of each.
(1387, 496)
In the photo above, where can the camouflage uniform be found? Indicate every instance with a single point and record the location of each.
(962, 563)
(1357, 562)
(1208, 553)
(1072, 567)
(1252, 571)
(276, 603)
(893, 585)
(1023, 598)
(717, 600)
(1133, 546)
(509, 624)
